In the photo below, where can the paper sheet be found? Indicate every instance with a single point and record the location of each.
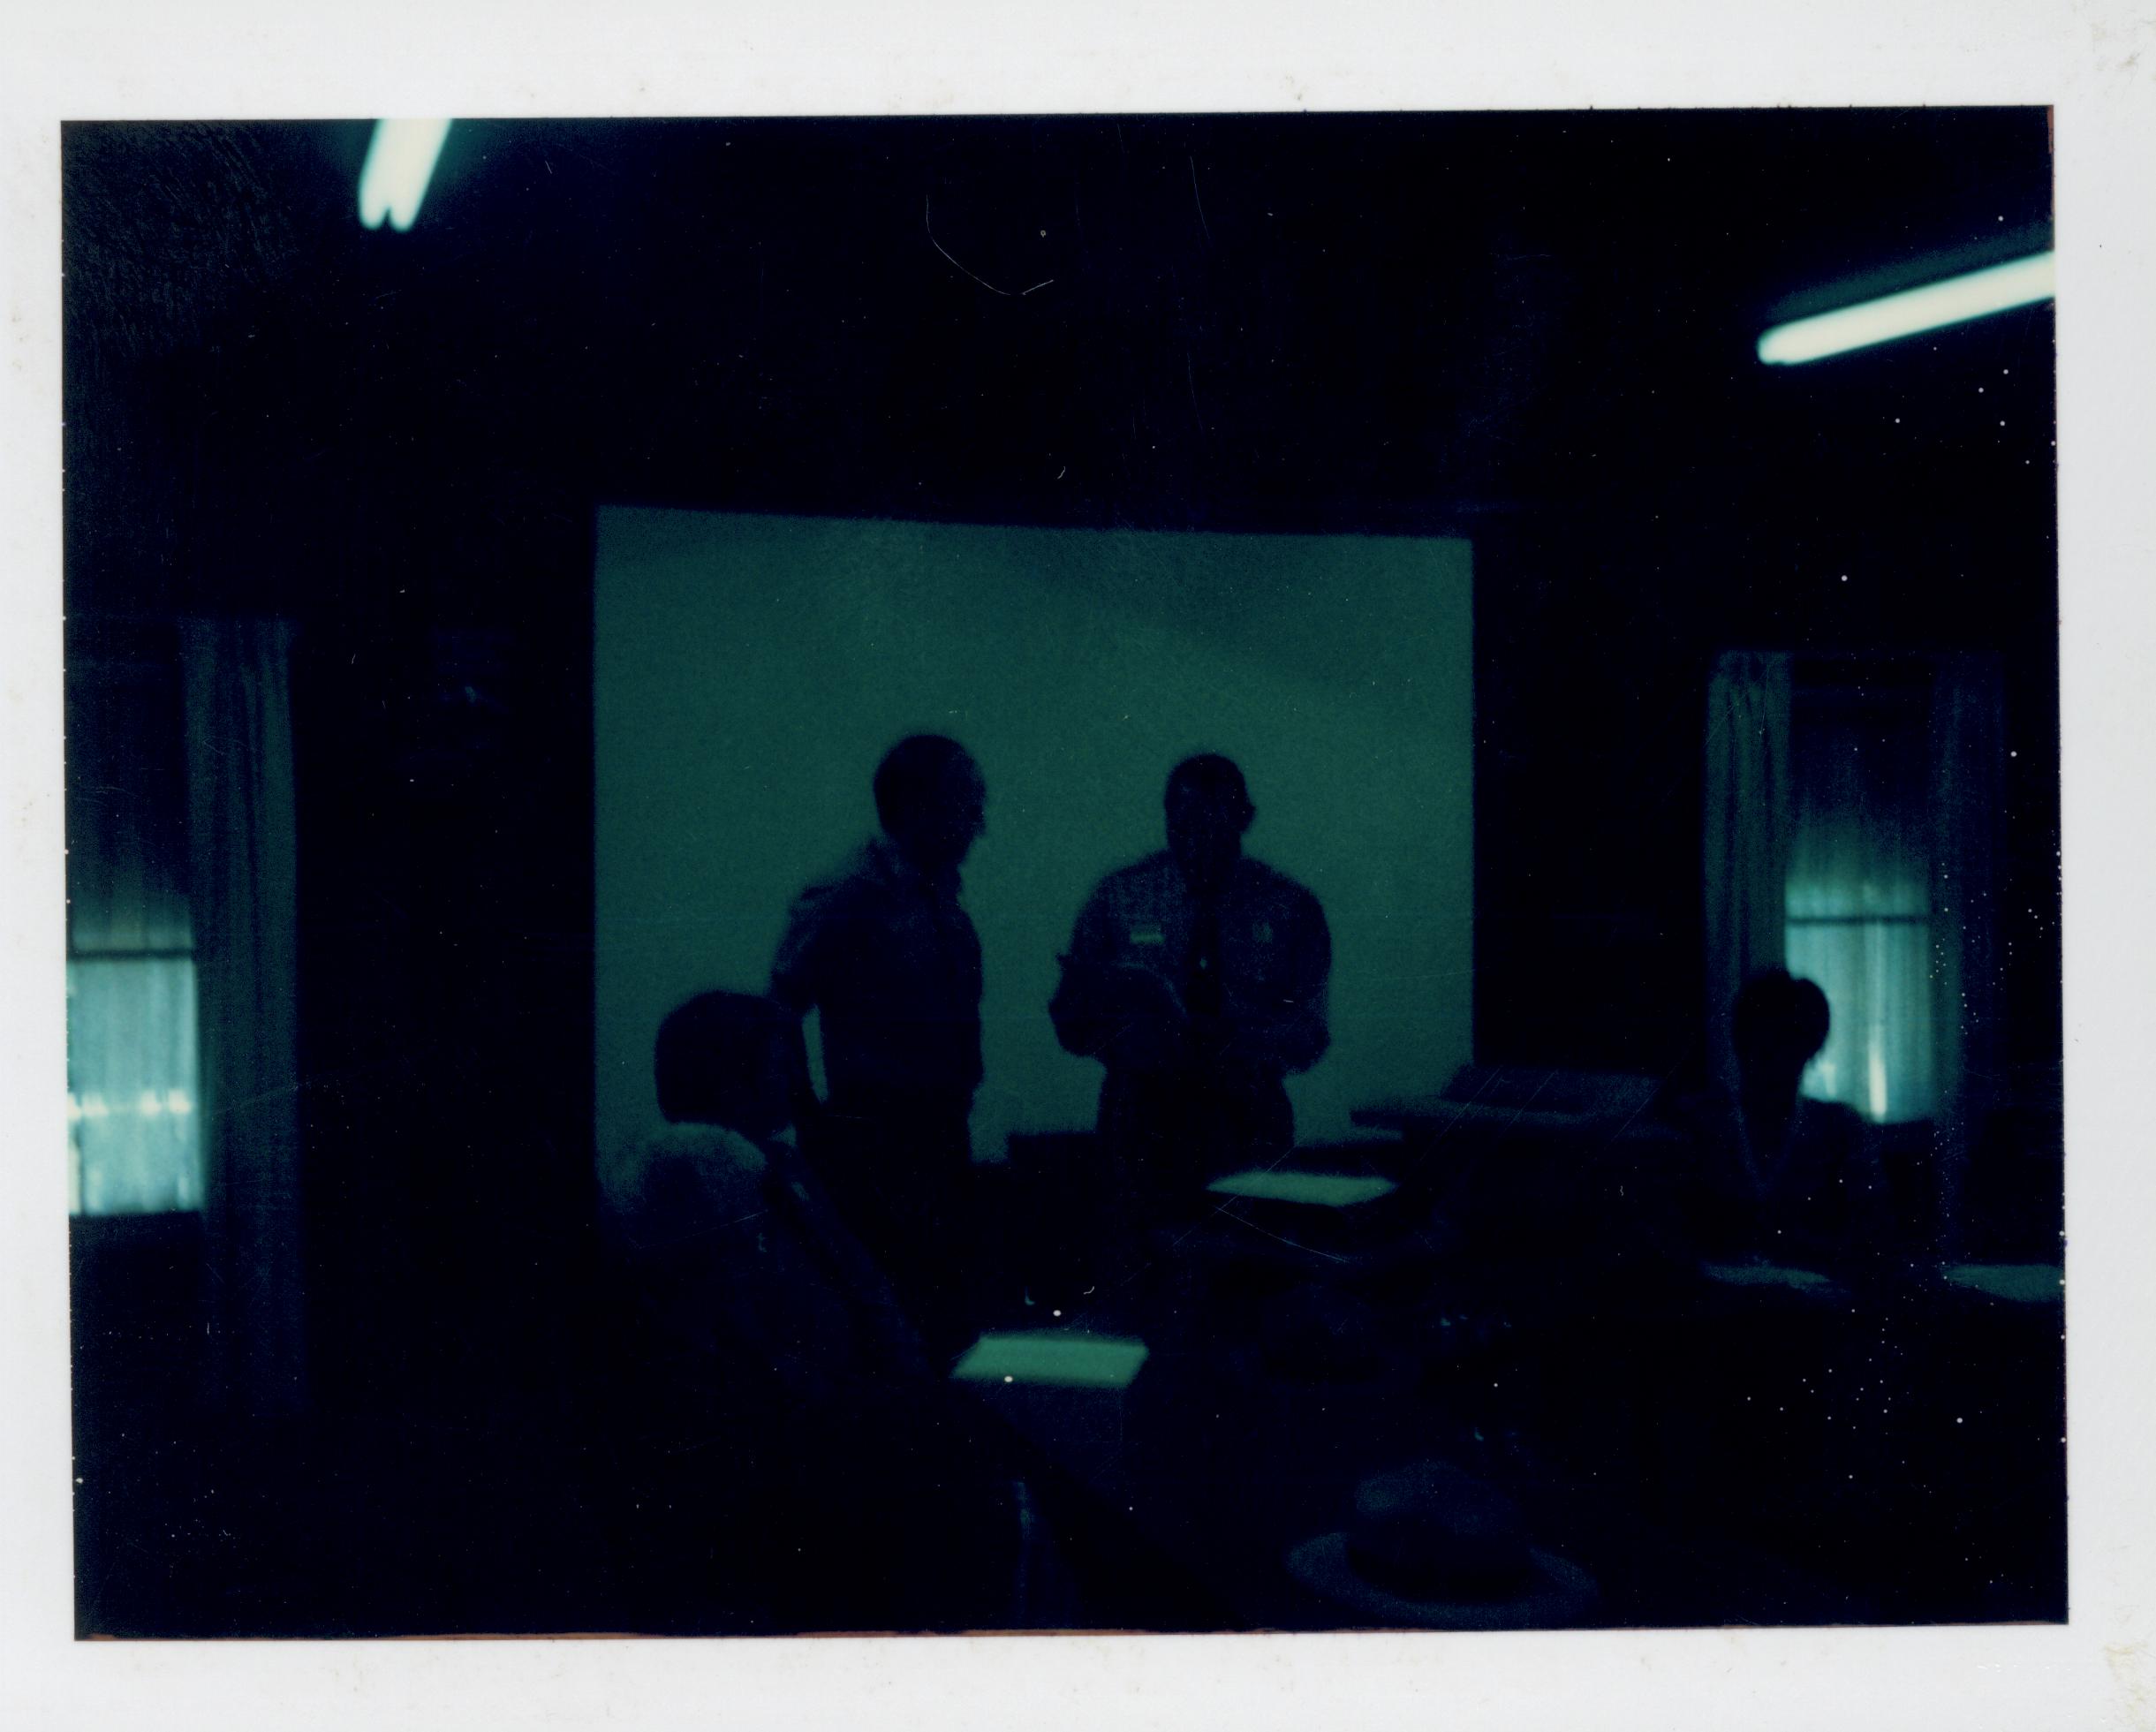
(1052, 1357)
(1331, 1190)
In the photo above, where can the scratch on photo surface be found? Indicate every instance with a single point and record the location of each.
(945, 251)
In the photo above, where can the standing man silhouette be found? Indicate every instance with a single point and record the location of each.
(884, 950)
(1197, 977)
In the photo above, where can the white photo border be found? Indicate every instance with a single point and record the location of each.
(2094, 64)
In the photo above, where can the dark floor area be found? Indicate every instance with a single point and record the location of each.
(505, 1500)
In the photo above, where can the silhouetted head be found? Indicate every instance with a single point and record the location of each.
(931, 800)
(728, 1058)
(1208, 809)
(1778, 1025)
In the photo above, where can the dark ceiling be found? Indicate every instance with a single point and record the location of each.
(1536, 330)
(1316, 322)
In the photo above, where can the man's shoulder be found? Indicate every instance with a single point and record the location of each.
(1258, 881)
(1148, 869)
(864, 871)
(680, 1179)
(1142, 881)
(1141, 885)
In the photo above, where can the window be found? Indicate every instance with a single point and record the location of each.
(1858, 901)
(134, 1132)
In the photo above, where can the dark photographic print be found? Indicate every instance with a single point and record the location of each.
(1143, 874)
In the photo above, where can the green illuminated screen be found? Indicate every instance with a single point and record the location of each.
(750, 671)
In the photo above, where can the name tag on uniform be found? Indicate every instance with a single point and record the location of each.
(1147, 935)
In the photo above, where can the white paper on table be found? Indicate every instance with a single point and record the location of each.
(1331, 1190)
(1057, 1358)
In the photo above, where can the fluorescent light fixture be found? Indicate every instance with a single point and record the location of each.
(400, 160)
(1954, 301)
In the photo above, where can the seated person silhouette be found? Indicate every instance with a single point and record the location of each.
(1742, 1393)
(799, 1435)
(1775, 1175)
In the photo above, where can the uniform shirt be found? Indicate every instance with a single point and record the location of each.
(1266, 967)
(892, 961)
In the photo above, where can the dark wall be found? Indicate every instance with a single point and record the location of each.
(1533, 330)
(1596, 629)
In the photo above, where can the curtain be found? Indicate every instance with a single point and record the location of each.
(1865, 813)
(132, 1137)
(133, 1133)
(1859, 897)
(1747, 833)
(243, 857)
(1968, 775)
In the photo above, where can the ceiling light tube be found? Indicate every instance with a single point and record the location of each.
(1952, 301)
(400, 160)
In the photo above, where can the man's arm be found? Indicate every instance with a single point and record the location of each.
(1083, 1023)
(797, 971)
(1286, 1032)
(800, 975)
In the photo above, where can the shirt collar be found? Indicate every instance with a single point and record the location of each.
(889, 864)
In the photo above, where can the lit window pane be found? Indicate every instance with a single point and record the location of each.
(1877, 977)
(135, 1139)
(1859, 894)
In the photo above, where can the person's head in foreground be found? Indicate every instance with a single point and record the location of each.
(1777, 1026)
(728, 1059)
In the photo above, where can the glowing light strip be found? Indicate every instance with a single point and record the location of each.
(400, 160)
(1956, 300)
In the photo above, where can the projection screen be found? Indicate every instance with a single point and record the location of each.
(750, 670)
